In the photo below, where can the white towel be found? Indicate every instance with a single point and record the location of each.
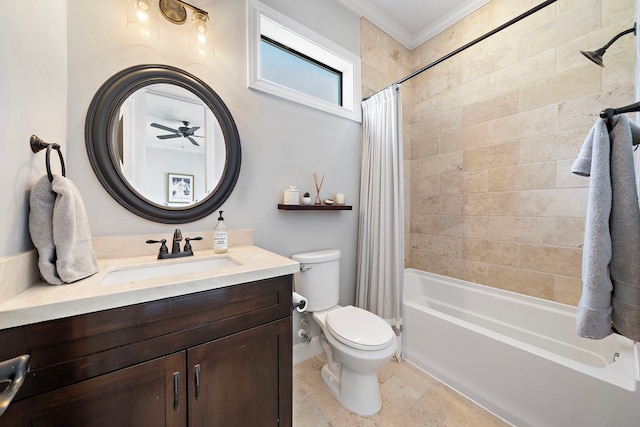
(611, 278)
(60, 231)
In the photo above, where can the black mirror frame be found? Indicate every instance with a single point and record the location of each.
(101, 116)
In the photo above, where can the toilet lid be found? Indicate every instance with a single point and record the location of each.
(359, 328)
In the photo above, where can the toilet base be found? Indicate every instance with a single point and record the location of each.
(358, 392)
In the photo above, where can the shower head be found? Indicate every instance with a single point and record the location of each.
(596, 55)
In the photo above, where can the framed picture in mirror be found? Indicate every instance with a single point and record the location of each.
(180, 188)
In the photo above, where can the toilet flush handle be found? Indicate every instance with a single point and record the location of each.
(304, 268)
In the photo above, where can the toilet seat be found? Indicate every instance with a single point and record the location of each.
(359, 328)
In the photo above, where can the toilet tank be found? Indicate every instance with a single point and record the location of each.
(319, 278)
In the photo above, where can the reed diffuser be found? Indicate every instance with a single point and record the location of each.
(318, 187)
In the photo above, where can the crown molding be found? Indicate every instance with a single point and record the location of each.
(364, 8)
(447, 21)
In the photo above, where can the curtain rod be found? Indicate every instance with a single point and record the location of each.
(471, 43)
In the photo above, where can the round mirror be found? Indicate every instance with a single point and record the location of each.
(163, 143)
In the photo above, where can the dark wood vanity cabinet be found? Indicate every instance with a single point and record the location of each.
(141, 395)
(249, 361)
(215, 358)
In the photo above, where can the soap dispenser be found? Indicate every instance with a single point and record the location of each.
(220, 237)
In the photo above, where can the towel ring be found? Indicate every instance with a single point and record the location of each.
(38, 144)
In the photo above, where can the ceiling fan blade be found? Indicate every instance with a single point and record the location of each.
(169, 136)
(193, 141)
(198, 136)
(193, 130)
(163, 127)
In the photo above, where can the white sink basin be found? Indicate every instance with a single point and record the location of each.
(166, 268)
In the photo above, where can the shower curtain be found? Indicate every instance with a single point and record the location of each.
(380, 262)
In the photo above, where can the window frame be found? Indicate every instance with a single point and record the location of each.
(274, 25)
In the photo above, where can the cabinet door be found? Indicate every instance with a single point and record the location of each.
(243, 379)
(142, 395)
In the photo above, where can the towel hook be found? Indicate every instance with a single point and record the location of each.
(38, 144)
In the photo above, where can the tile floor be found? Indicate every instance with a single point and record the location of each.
(410, 398)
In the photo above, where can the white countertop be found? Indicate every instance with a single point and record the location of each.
(42, 302)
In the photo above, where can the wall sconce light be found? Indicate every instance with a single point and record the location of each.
(596, 56)
(141, 21)
(200, 41)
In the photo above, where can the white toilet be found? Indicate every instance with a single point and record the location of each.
(357, 342)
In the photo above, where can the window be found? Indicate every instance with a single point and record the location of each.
(290, 61)
(285, 66)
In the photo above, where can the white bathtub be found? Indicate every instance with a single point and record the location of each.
(518, 356)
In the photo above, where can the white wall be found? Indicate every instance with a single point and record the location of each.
(53, 63)
(33, 100)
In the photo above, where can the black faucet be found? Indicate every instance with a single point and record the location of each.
(175, 247)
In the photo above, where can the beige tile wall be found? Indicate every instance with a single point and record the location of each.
(490, 136)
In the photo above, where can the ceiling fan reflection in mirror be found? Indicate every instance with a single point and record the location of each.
(182, 132)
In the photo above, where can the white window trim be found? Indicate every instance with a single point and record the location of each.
(264, 20)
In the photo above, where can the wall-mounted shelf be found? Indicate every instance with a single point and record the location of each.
(322, 207)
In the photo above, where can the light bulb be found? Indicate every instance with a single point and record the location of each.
(143, 16)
